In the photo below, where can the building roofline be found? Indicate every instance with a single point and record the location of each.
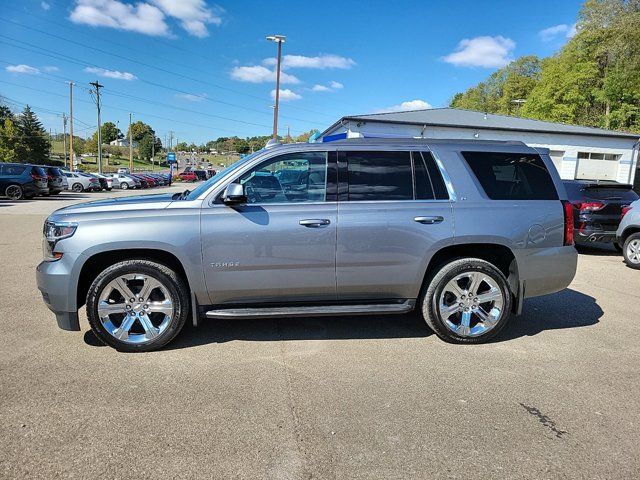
(366, 118)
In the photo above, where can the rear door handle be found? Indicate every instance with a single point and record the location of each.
(429, 220)
(315, 222)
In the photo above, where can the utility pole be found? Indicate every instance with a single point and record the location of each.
(97, 87)
(153, 151)
(130, 147)
(64, 137)
(71, 127)
(279, 39)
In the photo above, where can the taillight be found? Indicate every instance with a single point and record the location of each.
(568, 222)
(625, 209)
(589, 206)
(35, 177)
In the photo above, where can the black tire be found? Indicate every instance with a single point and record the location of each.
(54, 193)
(77, 187)
(175, 286)
(14, 192)
(617, 246)
(432, 292)
(632, 242)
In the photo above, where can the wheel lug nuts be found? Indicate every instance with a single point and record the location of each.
(141, 299)
(132, 300)
(128, 307)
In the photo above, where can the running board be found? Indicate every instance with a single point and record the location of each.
(315, 311)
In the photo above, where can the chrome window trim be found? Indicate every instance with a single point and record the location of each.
(445, 176)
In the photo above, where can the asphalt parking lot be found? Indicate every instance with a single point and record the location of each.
(557, 395)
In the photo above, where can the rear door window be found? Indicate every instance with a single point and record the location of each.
(379, 176)
(12, 170)
(429, 184)
(512, 176)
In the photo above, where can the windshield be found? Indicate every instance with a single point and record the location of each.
(203, 187)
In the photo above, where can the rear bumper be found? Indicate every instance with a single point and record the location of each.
(592, 235)
(54, 280)
(546, 270)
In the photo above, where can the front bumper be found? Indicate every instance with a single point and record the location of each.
(56, 283)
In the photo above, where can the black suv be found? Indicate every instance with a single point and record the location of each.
(598, 207)
(19, 181)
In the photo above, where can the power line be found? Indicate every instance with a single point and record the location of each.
(138, 62)
(58, 56)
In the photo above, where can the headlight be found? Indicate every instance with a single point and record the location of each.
(53, 233)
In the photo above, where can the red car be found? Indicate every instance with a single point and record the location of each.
(150, 180)
(188, 177)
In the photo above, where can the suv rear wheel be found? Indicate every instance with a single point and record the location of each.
(631, 251)
(467, 301)
(137, 305)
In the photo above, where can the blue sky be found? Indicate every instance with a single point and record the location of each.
(205, 70)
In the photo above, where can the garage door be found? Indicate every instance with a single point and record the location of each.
(597, 166)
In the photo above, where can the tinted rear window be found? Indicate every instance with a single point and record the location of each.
(39, 171)
(54, 172)
(512, 176)
(579, 190)
(429, 182)
(13, 170)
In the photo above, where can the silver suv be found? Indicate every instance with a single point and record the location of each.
(463, 231)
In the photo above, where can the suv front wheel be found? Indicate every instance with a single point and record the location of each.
(467, 301)
(137, 305)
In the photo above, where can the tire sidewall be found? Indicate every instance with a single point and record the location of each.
(449, 271)
(20, 189)
(630, 238)
(161, 273)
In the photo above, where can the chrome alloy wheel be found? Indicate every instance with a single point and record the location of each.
(471, 304)
(135, 308)
(633, 251)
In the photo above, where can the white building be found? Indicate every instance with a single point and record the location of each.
(577, 152)
(122, 142)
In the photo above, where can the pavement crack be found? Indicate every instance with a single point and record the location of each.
(544, 420)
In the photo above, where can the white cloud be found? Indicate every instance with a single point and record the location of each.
(406, 106)
(115, 74)
(194, 15)
(333, 85)
(22, 68)
(319, 62)
(45, 6)
(260, 74)
(147, 17)
(51, 68)
(561, 30)
(286, 95)
(191, 97)
(573, 29)
(485, 52)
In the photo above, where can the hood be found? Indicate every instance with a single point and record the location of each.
(139, 202)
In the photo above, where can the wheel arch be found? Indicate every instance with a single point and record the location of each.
(630, 230)
(497, 254)
(101, 260)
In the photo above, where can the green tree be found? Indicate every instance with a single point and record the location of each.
(35, 143)
(109, 133)
(146, 146)
(139, 130)
(9, 141)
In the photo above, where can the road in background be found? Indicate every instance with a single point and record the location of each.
(557, 395)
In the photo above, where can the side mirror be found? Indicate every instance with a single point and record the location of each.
(234, 194)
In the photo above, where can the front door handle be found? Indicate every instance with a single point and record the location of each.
(315, 222)
(429, 220)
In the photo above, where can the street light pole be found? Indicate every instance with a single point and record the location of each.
(97, 87)
(279, 39)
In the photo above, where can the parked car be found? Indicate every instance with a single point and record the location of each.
(17, 181)
(125, 182)
(597, 208)
(628, 234)
(151, 181)
(201, 174)
(55, 180)
(188, 176)
(106, 182)
(79, 182)
(40, 175)
(141, 179)
(372, 232)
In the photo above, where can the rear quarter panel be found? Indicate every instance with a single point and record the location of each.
(532, 229)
